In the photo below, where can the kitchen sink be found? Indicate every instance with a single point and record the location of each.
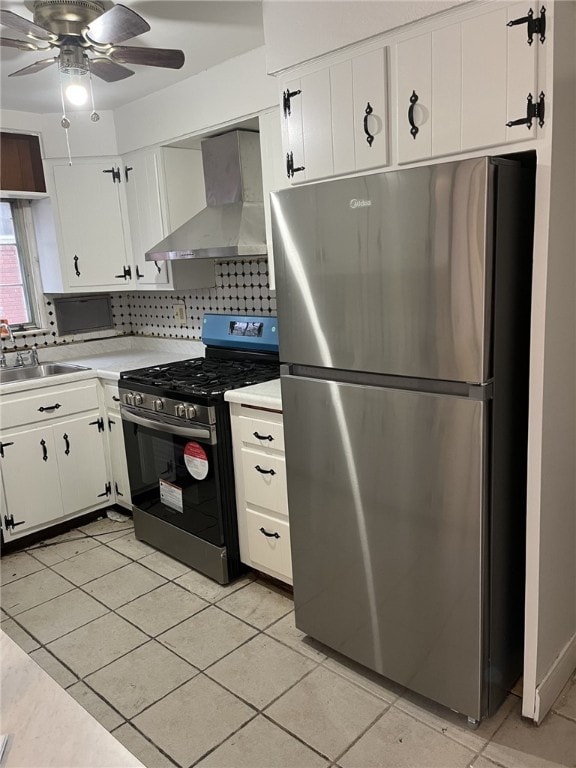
(42, 371)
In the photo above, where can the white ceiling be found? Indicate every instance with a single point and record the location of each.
(208, 31)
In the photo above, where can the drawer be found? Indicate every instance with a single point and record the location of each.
(111, 396)
(265, 480)
(48, 403)
(262, 433)
(269, 543)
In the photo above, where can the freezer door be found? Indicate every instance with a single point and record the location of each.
(389, 273)
(386, 497)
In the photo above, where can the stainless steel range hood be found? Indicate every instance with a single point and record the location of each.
(232, 225)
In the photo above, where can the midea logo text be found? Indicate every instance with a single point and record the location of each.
(354, 203)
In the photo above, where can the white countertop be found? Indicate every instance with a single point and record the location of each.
(264, 395)
(46, 726)
(107, 364)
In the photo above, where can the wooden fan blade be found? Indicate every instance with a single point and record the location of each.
(115, 26)
(25, 27)
(108, 70)
(38, 66)
(151, 57)
(22, 45)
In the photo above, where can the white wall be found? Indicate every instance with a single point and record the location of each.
(298, 30)
(86, 138)
(233, 90)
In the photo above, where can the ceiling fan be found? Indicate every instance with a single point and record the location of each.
(84, 26)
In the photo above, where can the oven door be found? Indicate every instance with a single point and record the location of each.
(174, 473)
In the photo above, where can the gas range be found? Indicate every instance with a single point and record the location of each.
(178, 443)
(188, 389)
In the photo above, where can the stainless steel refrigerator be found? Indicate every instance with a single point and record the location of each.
(403, 315)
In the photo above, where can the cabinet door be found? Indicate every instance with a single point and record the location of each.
(91, 226)
(316, 125)
(81, 461)
(414, 94)
(292, 130)
(30, 479)
(141, 173)
(446, 97)
(120, 483)
(369, 87)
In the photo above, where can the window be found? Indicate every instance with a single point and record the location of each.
(18, 272)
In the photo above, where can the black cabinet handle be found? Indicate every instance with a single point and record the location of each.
(116, 399)
(367, 112)
(290, 170)
(49, 408)
(286, 97)
(76, 266)
(158, 267)
(270, 535)
(2, 446)
(263, 437)
(44, 451)
(413, 127)
(66, 443)
(258, 468)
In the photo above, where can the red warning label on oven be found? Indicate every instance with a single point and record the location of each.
(196, 460)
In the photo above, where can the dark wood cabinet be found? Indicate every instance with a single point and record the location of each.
(21, 163)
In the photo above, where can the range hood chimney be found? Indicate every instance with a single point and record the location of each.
(232, 225)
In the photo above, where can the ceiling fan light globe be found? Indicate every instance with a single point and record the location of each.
(76, 94)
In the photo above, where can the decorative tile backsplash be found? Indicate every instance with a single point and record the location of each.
(241, 288)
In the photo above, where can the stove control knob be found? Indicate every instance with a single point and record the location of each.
(138, 399)
(129, 398)
(158, 404)
(190, 412)
(180, 410)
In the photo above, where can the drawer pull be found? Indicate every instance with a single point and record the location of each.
(66, 443)
(262, 437)
(270, 535)
(258, 468)
(44, 450)
(48, 408)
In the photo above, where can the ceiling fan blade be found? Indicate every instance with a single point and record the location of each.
(108, 70)
(25, 27)
(151, 57)
(38, 66)
(115, 26)
(22, 45)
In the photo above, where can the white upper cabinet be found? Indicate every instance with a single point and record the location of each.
(141, 176)
(453, 97)
(335, 119)
(89, 209)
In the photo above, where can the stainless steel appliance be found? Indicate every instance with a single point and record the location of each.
(403, 307)
(178, 443)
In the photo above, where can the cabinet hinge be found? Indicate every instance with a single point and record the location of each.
(110, 422)
(286, 98)
(117, 491)
(290, 170)
(107, 490)
(127, 169)
(115, 174)
(535, 26)
(533, 111)
(9, 522)
(98, 423)
(126, 273)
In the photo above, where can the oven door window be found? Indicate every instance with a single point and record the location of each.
(175, 478)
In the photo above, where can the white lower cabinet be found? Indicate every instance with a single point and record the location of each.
(55, 469)
(262, 505)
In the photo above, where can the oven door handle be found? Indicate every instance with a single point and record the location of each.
(201, 433)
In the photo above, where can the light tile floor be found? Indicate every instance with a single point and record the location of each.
(185, 672)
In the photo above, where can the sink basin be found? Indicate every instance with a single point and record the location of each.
(42, 371)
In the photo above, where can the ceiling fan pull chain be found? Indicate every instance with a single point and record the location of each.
(94, 116)
(65, 123)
